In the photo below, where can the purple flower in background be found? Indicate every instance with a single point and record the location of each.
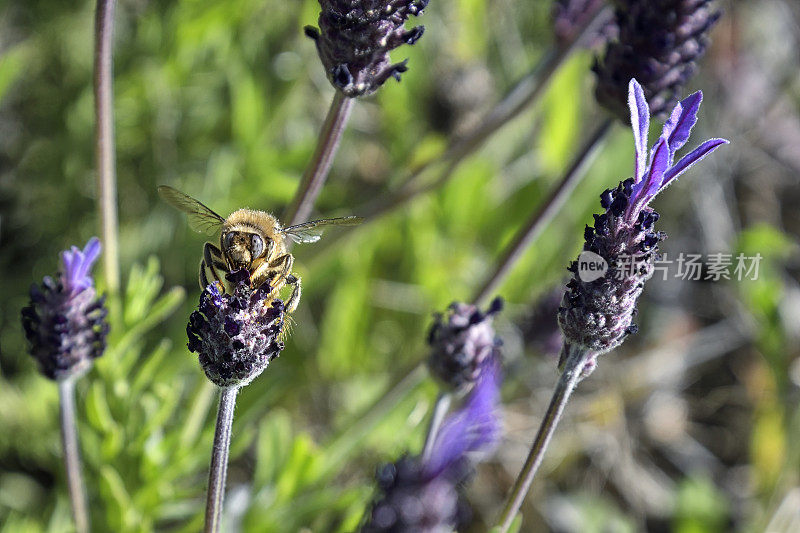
(596, 314)
(461, 342)
(659, 44)
(236, 335)
(356, 36)
(569, 16)
(65, 321)
(421, 494)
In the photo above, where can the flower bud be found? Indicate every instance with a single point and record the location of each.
(65, 321)
(355, 37)
(236, 335)
(659, 44)
(461, 342)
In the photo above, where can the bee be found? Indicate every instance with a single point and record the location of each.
(250, 239)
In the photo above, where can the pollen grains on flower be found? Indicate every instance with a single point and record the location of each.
(236, 335)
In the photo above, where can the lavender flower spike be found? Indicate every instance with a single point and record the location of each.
(422, 494)
(65, 321)
(596, 314)
(355, 37)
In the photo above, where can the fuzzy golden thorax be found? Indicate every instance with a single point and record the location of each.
(250, 238)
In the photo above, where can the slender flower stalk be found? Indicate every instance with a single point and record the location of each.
(440, 409)
(235, 335)
(573, 370)
(520, 97)
(72, 454)
(543, 214)
(317, 171)
(65, 324)
(104, 140)
(353, 43)
(596, 312)
(219, 458)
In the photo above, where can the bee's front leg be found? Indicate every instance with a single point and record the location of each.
(211, 262)
(294, 298)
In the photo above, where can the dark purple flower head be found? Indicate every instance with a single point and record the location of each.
(65, 321)
(461, 342)
(422, 494)
(659, 43)
(355, 37)
(236, 335)
(596, 312)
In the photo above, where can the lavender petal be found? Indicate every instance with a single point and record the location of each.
(474, 428)
(679, 126)
(645, 190)
(640, 122)
(691, 158)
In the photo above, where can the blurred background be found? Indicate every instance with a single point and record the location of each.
(693, 425)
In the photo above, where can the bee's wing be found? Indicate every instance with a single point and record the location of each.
(201, 218)
(312, 231)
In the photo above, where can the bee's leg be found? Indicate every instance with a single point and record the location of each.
(276, 272)
(294, 298)
(212, 261)
(283, 264)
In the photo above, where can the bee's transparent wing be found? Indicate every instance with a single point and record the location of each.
(201, 218)
(312, 231)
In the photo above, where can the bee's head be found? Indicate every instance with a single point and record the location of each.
(241, 248)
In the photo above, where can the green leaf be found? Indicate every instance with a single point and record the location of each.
(272, 448)
(12, 65)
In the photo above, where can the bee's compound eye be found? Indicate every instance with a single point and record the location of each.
(227, 241)
(256, 245)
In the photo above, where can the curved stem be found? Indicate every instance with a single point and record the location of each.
(575, 361)
(72, 454)
(317, 170)
(543, 214)
(104, 140)
(219, 458)
(524, 94)
(439, 411)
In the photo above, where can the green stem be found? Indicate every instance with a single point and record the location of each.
(543, 214)
(219, 458)
(437, 417)
(104, 141)
(317, 171)
(72, 454)
(575, 361)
